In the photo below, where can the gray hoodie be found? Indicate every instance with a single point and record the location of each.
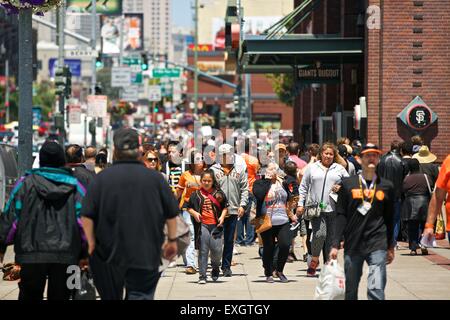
(313, 179)
(234, 185)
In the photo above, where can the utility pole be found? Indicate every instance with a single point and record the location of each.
(94, 45)
(25, 91)
(94, 60)
(61, 24)
(7, 89)
(196, 59)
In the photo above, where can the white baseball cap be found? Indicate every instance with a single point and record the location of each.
(225, 149)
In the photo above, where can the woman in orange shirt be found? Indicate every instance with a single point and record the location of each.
(208, 206)
(190, 182)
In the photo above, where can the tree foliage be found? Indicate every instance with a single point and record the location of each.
(283, 85)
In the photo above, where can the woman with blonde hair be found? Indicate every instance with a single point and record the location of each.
(151, 161)
(319, 187)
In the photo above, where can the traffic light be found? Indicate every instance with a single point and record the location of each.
(99, 62)
(144, 62)
(68, 90)
(92, 127)
(63, 82)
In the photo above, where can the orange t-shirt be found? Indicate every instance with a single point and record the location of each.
(207, 212)
(443, 182)
(252, 169)
(189, 182)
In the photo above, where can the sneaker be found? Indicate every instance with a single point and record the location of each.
(269, 280)
(202, 280)
(311, 272)
(282, 277)
(227, 273)
(173, 264)
(190, 270)
(215, 273)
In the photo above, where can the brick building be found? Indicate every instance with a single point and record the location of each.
(406, 54)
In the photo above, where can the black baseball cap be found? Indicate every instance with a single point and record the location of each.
(126, 139)
(370, 147)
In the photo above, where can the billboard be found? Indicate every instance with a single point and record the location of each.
(74, 66)
(109, 7)
(252, 26)
(133, 33)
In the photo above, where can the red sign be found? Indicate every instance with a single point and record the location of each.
(201, 47)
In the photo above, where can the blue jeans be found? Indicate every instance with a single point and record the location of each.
(229, 226)
(246, 231)
(189, 258)
(397, 215)
(376, 280)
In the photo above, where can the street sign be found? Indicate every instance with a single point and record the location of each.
(136, 77)
(97, 106)
(120, 77)
(166, 73)
(130, 94)
(74, 114)
(154, 93)
(80, 53)
(131, 61)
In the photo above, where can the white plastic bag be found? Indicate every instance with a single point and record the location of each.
(331, 285)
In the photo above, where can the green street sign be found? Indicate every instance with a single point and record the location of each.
(137, 79)
(131, 61)
(166, 73)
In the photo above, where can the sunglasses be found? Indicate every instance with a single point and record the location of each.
(152, 159)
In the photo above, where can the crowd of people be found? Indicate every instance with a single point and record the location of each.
(76, 208)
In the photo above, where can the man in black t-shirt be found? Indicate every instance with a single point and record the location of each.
(365, 218)
(123, 217)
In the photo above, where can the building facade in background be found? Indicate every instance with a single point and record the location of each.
(404, 74)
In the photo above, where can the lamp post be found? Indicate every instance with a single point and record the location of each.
(25, 91)
(196, 59)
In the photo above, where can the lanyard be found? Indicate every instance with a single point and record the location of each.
(372, 185)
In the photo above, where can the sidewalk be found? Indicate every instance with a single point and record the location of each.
(409, 278)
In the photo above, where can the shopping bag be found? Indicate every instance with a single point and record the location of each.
(183, 235)
(331, 284)
(440, 227)
(87, 288)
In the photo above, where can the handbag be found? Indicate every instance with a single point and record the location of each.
(262, 223)
(87, 288)
(11, 272)
(313, 209)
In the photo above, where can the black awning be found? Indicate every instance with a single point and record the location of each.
(259, 55)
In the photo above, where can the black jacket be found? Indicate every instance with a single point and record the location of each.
(83, 174)
(196, 202)
(41, 218)
(261, 188)
(391, 168)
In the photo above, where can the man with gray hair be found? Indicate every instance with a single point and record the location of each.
(233, 181)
